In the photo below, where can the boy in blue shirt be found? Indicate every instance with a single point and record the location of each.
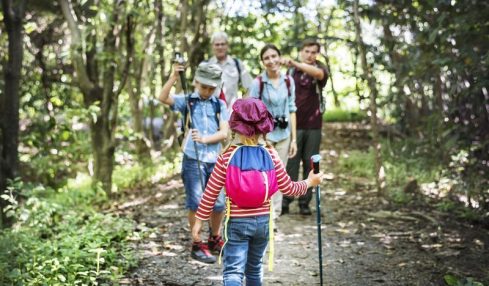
(201, 146)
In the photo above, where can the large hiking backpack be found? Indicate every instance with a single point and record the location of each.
(250, 177)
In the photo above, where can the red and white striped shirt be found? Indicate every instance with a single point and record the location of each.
(218, 179)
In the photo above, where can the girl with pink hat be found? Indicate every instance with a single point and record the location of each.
(247, 228)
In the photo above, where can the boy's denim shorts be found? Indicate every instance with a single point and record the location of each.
(191, 182)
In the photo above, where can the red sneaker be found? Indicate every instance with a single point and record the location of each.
(215, 243)
(200, 252)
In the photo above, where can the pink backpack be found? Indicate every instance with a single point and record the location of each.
(250, 177)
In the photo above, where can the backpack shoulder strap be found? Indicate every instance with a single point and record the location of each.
(217, 110)
(216, 105)
(291, 71)
(266, 151)
(261, 85)
(319, 90)
(186, 119)
(233, 153)
(236, 62)
(287, 83)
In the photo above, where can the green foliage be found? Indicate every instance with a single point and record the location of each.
(446, 206)
(452, 280)
(145, 174)
(439, 87)
(400, 172)
(341, 115)
(400, 167)
(60, 238)
(357, 163)
(407, 161)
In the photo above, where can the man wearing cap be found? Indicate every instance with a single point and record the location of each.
(206, 118)
(234, 72)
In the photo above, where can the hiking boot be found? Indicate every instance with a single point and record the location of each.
(200, 252)
(305, 210)
(215, 243)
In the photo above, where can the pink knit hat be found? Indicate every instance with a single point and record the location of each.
(250, 116)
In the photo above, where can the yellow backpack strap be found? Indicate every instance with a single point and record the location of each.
(271, 250)
(228, 214)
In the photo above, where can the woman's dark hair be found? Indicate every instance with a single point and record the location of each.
(268, 47)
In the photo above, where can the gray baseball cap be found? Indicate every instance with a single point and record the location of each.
(208, 74)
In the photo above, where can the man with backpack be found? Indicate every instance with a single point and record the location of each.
(310, 77)
(206, 121)
(234, 73)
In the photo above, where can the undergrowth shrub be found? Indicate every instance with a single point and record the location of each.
(342, 115)
(400, 168)
(406, 161)
(61, 238)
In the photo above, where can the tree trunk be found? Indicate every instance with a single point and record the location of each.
(142, 149)
(183, 26)
(87, 71)
(140, 67)
(326, 58)
(367, 72)
(9, 112)
(360, 96)
(400, 99)
(103, 153)
(200, 41)
(159, 37)
(169, 130)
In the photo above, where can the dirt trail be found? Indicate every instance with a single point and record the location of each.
(366, 241)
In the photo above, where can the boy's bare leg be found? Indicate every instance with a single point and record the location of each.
(191, 218)
(215, 222)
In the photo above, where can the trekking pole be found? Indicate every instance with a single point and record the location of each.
(183, 81)
(315, 159)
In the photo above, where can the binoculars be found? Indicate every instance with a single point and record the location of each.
(178, 59)
(281, 122)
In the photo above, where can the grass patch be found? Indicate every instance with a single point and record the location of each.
(357, 163)
(400, 168)
(404, 162)
(341, 115)
(125, 177)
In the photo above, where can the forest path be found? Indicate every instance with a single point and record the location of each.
(366, 241)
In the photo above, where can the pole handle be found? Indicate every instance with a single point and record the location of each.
(315, 159)
(183, 81)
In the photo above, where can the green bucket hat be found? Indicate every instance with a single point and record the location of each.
(208, 74)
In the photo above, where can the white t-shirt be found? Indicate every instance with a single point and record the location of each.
(230, 78)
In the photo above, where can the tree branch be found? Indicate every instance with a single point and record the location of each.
(76, 48)
(129, 54)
